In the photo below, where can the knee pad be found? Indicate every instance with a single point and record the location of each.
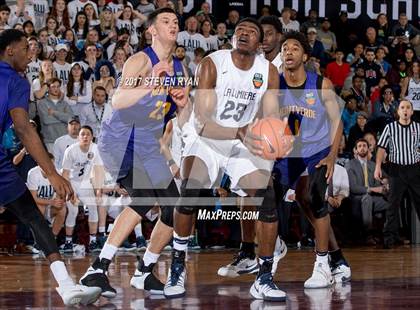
(190, 192)
(93, 213)
(317, 189)
(267, 210)
(72, 214)
(167, 215)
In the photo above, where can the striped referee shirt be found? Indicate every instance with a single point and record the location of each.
(402, 142)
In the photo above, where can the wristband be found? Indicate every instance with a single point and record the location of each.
(170, 162)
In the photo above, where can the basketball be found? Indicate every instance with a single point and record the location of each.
(276, 137)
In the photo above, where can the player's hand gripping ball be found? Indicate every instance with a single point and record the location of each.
(276, 137)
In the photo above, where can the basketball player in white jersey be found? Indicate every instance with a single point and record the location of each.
(410, 89)
(218, 137)
(245, 261)
(79, 160)
(53, 208)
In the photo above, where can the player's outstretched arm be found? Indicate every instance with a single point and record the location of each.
(33, 145)
(205, 104)
(132, 86)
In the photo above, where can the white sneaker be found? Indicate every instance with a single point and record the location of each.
(264, 288)
(279, 253)
(321, 276)
(79, 294)
(341, 273)
(240, 265)
(175, 284)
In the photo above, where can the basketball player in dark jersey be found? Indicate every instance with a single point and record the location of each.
(130, 149)
(314, 118)
(14, 195)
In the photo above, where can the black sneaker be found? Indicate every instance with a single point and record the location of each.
(96, 276)
(144, 279)
(94, 246)
(68, 247)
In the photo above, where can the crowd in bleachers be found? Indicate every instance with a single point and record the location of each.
(78, 50)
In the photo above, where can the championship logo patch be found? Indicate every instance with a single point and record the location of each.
(310, 98)
(90, 155)
(257, 80)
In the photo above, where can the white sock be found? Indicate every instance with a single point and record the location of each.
(150, 258)
(138, 231)
(92, 238)
(322, 259)
(60, 274)
(101, 229)
(180, 243)
(69, 239)
(108, 251)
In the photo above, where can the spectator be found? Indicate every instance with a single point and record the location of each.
(54, 113)
(337, 71)
(357, 131)
(311, 22)
(343, 156)
(91, 15)
(376, 93)
(34, 67)
(372, 71)
(200, 17)
(51, 207)
(372, 144)
(396, 75)
(41, 11)
(399, 44)
(105, 77)
(357, 91)
(97, 111)
(348, 82)
(40, 85)
(327, 37)
(52, 30)
(191, 39)
(371, 39)
(130, 20)
(221, 34)
(118, 60)
(409, 56)
(28, 28)
(366, 193)
(63, 142)
(344, 32)
(198, 56)
(81, 25)
(145, 7)
(4, 17)
(21, 12)
(76, 6)
(382, 28)
(404, 167)
(233, 19)
(89, 61)
(106, 27)
(286, 21)
(403, 28)
(380, 55)
(47, 51)
(118, 5)
(123, 34)
(317, 48)
(349, 116)
(205, 7)
(61, 14)
(61, 66)
(78, 91)
(356, 59)
(208, 34)
(70, 39)
(385, 109)
(410, 89)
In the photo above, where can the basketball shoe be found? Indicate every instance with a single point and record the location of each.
(321, 276)
(96, 276)
(341, 272)
(175, 284)
(144, 279)
(242, 263)
(264, 287)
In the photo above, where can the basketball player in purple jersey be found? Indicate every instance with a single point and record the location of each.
(14, 195)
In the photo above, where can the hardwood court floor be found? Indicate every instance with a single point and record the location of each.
(382, 279)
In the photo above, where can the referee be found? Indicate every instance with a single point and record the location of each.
(402, 139)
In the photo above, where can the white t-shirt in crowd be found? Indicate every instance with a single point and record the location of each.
(37, 182)
(76, 6)
(191, 42)
(60, 145)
